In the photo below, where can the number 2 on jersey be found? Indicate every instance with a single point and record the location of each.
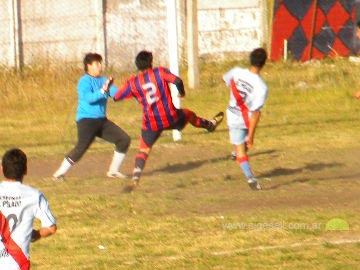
(150, 95)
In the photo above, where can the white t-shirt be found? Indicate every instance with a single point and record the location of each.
(20, 205)
(252, 90)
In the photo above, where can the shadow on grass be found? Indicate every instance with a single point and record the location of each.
(200, 131)
(266, 152)
(312, 123)
(289, 171)
(186, 166)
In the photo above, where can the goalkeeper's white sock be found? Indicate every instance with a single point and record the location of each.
(116, 161)
(64, 167)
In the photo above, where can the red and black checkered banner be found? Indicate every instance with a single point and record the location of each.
(313, 29)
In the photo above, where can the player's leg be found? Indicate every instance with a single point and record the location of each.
(243, 160)
(210, 125)
(86, 132)
(147, 140)
(234, 152)
(238, 138)
(116, 135)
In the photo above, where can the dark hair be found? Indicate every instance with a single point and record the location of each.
(144, 60)
(91, 57)
(358, 24)
(258, 57)
(14, 164)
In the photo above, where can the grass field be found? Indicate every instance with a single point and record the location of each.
(194, 209)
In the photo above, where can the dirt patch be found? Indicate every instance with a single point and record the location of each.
(189, 172)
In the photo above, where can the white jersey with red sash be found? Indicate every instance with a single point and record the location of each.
(19, 206)
(248, 93)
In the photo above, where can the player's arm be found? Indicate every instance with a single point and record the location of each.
(357, 94)
(228, 76)
(257, 105)
(180, 86)
(106, 86)
(48, 222)
(124, 92)
(172, 78)
(253, 121)
(43, 232)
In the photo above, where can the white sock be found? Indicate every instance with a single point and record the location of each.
(64, 167)
(116, 161)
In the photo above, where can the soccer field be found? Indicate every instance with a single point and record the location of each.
(194, 209)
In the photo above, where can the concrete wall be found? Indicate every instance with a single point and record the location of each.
(52, 30)
(230, 26)
(135, 25)
(55, 29)
(5, 36)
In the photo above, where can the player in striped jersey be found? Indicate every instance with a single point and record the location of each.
(150, 88)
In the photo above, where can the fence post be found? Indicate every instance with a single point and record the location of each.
(101, 47)
(173, 55)
(269, 20)
(192, 43)
(264, 7)
(16, 51)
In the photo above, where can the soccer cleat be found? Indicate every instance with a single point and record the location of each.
(217, 119)
(58, 178)
(131, 185)
(254, 184)
(116, 175)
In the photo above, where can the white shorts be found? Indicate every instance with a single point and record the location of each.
(238, 135)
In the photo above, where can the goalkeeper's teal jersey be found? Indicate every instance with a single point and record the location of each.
(91, 101)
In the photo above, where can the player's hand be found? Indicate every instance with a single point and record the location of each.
(356, 94)
(249, 143)
(107, 84)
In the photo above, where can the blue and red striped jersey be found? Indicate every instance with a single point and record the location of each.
(150, 88)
